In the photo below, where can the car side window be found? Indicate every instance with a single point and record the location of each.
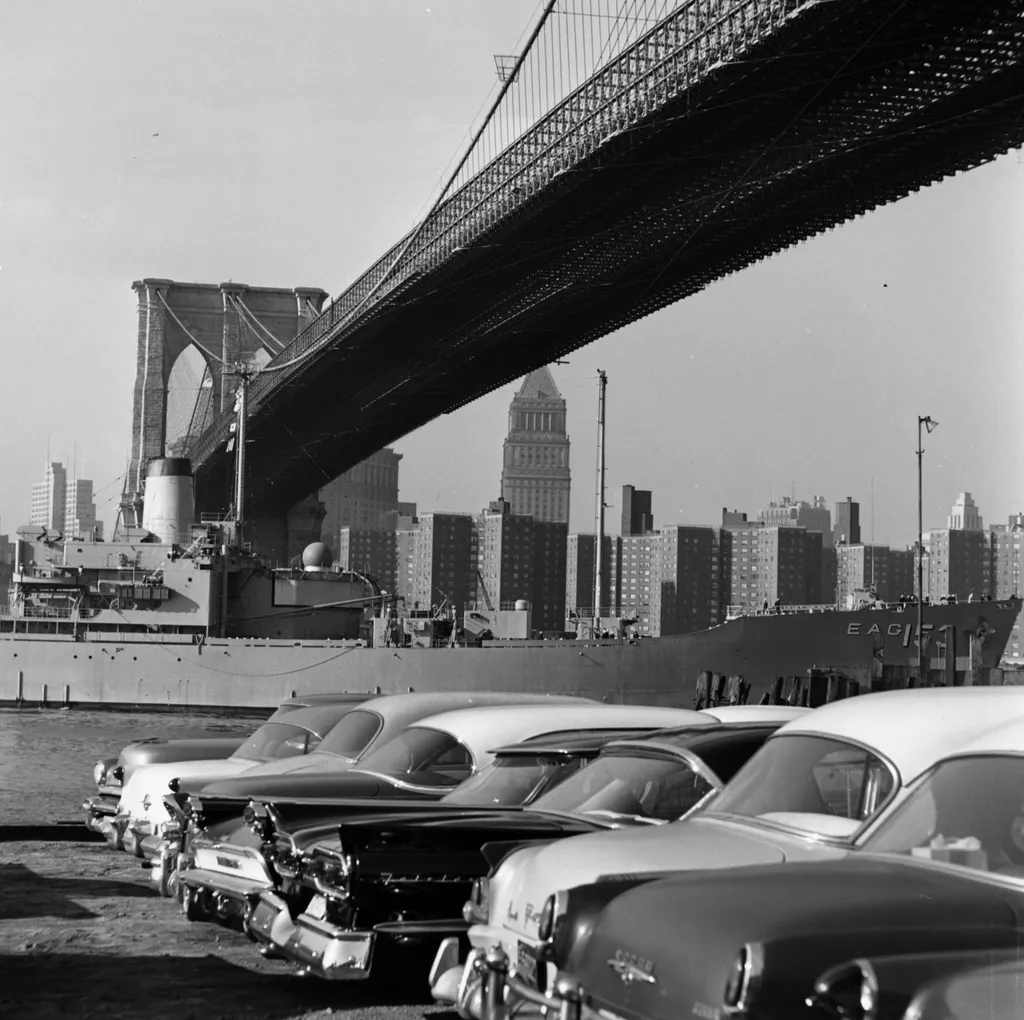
(851, 782)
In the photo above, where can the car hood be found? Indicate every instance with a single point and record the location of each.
(158, 750)
(685, 932)
(518, 895)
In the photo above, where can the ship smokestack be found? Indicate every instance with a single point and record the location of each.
(168, 509)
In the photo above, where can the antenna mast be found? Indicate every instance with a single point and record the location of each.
(602, 385)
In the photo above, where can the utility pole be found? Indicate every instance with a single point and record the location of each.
(602, 386)
(929, 425)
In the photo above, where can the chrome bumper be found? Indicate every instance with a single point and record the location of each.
(328, 952)
(270, 922)
(111, 827)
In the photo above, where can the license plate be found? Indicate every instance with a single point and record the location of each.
(317, 908)
(526, 964)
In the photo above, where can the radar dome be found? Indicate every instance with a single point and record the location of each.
(316, 556)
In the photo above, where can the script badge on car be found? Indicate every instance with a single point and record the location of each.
(632, 968)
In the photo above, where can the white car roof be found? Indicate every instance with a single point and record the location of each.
(402, 709)
(1008, 738)
(756, 713)
(483, 729)
(918, 727)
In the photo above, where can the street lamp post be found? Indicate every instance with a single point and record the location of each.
(929, 425)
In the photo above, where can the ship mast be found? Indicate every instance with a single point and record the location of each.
(602, 385)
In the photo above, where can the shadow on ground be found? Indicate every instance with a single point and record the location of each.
(48, 986)
(25, 894)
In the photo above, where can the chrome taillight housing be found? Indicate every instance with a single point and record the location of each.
(329, 872)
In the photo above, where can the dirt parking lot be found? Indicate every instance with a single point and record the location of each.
(83, 935)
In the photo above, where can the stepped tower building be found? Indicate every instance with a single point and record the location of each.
(535, 469)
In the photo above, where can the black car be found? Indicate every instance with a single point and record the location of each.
(941, 874)
(406, 878)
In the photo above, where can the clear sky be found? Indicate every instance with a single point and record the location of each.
(290, 144)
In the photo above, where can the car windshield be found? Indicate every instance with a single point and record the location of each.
(420, 751)
(819, 784)
(632, 786)
(352, 735)
(512, 780)
(966, 811)
(276, 740)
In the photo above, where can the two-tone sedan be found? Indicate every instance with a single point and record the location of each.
(811, 793)
(224, 863)
(111, 774)
(394, 884)
(141, 811)
(936, 888)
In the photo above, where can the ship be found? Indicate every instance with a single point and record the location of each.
(183, 614)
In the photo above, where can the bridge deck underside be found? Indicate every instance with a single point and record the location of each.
(844, 108)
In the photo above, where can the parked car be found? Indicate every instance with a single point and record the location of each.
(142, 812)
(966, 984)
(811, 793)
(111, 774)
(403, 879)
(939, 875)
(428, 759)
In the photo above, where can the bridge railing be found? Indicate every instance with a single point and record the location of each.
(659, 66)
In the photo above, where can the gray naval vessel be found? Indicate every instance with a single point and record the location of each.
(178, 614)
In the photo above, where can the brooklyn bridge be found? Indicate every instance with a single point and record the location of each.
(637, 151)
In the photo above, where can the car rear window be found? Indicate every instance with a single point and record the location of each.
(275, 740)
(808, 775)
(421, 749)
(352, 735)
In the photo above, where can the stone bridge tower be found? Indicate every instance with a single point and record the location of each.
(188, 333)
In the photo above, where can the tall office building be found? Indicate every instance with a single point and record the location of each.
(637, 518)
(687, 594)
(48, 498)
(767, 563)
(958, 557)
(535, 466)
(80, 511)
(1007, 577)
(639, 578)
(522, 558)
(580, 580)
(361, 517)
(964, 516)
(364, 497)
(442, 562)
(847, 523)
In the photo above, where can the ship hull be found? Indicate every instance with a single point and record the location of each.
(153, 672)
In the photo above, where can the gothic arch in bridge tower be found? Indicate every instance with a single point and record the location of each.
(190, 400)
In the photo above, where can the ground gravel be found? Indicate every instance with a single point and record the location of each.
(82, 934)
